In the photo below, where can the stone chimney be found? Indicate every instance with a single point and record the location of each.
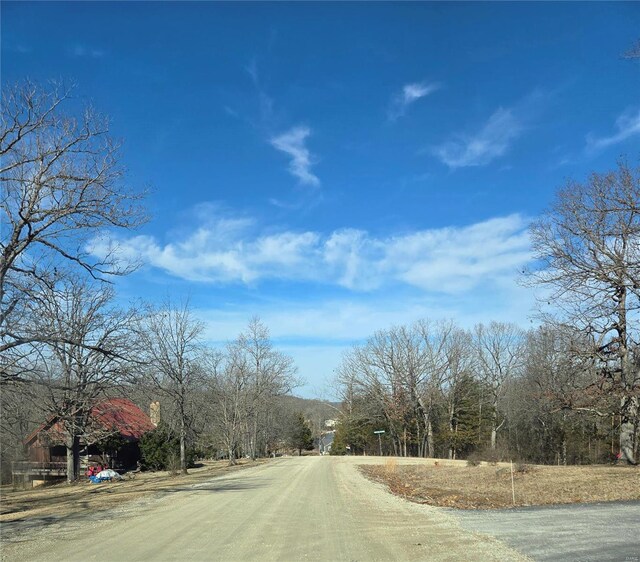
(154, 413)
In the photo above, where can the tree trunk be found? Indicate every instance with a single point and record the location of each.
(73, 449)
(183, 452)
(494, 425)
(254, 439)
(563, 440)
(430, 444)
(629, 410)
(231, 449)
(426, 415)
(451, 444)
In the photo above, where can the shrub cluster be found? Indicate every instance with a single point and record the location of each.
(160, 450)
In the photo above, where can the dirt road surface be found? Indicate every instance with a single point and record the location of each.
(602, 532)
(309, 508)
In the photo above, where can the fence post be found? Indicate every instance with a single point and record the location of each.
(513, 488)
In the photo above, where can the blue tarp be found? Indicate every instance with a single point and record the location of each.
(97, 479)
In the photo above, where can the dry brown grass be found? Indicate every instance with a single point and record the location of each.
(390, 466)
(61, 499)
(487, 487)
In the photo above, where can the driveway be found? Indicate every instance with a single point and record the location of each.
(579, 532)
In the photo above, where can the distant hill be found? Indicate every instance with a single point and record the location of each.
(316, 411)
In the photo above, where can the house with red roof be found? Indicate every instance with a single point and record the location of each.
(117, 422)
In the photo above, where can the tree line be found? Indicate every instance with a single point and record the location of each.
(565, 391)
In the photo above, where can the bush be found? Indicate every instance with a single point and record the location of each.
(173, 464)
(472, 461)
(160, 447)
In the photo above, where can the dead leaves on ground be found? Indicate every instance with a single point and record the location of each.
(487, 487)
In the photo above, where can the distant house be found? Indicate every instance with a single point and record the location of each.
(325, 442)
(117, 419)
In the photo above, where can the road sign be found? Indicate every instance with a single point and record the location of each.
(379, 433)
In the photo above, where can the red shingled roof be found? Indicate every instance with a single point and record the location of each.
(124, 415)
(120, 413)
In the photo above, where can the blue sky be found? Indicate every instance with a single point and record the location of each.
(340, 168)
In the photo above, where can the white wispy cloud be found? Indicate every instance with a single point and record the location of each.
(83, 51)
(444, 260)
(316, 332)
(348, 319)
(410, 94)
(266, 103)
(490, 142)
(293, 143)
(627, 125)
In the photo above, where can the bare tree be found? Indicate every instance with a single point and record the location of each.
(171, 347)
(270, 374)
(250, 379)
(61, 184)
(402, 369)
(87, 360)
(498, 350)
(587, 248)
(459, 360)
(436, 340)
(559, 372)
(229, 400)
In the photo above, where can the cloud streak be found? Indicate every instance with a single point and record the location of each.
(490, 142)
(293, 143)
(410, 94)
(83, 51)
(229, 251)
(627, 125)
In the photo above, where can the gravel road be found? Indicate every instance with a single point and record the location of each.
(309, 508)
(572, 533)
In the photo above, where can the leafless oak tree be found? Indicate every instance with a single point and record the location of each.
(270, 372)
(250, 379)
(498, 351)
(61, 184)
(169, 339)
(89, 358)
(587, 248)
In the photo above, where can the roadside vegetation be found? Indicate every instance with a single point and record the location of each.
(490, 486)
(566, 391)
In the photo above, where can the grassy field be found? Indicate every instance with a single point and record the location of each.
(62, 499)
(488, 487)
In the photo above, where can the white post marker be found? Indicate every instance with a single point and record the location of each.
(513, 489)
